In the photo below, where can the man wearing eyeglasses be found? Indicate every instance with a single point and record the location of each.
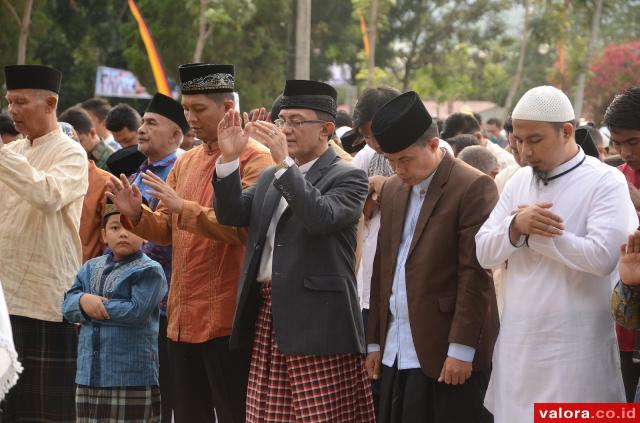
(623, 120)
(298, 299)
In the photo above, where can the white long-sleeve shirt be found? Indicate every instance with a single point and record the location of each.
(42, 186)
(557, 340)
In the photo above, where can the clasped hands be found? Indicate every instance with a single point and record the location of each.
(536, 219)
(232, 139)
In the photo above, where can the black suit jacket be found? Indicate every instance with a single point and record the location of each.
(314, 294)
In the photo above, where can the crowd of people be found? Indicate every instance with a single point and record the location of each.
(303, 264)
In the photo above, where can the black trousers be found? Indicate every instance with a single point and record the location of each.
(165, 372)
(630, 374)
(408, 396)
(208, 376)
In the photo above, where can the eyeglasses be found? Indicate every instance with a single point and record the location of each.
(295, 123)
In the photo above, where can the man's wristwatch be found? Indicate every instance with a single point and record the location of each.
(282, 165)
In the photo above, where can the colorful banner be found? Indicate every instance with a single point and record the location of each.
(365, 36)
(113, 82)
(162, 85)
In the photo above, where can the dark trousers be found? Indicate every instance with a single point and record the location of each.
(165, 373)
(208, 376)
(630, 374)
(375, 384)
(46, 389)
(408, 396)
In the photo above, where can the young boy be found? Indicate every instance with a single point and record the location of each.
(115, 298)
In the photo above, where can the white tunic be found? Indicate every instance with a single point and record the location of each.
(557, 341)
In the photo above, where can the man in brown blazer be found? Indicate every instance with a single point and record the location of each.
(433, 319)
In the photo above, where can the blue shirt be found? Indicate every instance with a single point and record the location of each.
(159, 253)
(121, 351)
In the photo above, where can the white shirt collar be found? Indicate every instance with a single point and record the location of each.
(572, 162)
(305, 167)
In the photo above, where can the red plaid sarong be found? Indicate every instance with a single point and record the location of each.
(303, 388)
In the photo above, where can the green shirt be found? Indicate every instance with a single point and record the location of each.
(100, 154)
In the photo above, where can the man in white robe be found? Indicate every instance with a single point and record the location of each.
(559, 222)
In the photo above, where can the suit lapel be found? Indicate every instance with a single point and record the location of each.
(271, 200)
(400, 201)
(318, 169)
(434, 192)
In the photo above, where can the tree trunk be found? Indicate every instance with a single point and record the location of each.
(517, 79)
(372, 34)
(203, 32)
(24, 32)
(302, 66)
(593, 39)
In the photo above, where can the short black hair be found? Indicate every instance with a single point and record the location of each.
(343, 119)
(78, 118)
(221, 97)
(97, 106)
(460, 142)
(478, 117)
(494, 121)
(371, 100)
(123, 116)
(624, 111)
(105, 219)
(7, 126)
(508, 125)
(431, 133)
(460, 123)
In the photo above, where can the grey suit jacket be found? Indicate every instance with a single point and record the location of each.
(314, 295)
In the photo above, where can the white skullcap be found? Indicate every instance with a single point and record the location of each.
(342, 130)
(544, 104)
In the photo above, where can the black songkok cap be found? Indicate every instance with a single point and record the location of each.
(314, 95)
(400, 122)
(126, 160)
(32, 76)
(202, 78)
(169, 108)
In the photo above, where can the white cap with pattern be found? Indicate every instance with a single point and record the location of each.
(544, 104)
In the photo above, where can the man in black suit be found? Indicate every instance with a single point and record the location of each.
(297, 297)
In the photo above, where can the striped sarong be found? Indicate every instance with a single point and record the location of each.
(115, 405)
(303, 388)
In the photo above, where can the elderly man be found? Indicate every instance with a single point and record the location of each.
(480, 158)
(298, 300)
(43, 179)
(560, 222)
(433, 318)
(207, 256)
(163, 128)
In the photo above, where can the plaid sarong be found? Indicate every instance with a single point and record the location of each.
(45, 389)
(115, 405)
(303, 388)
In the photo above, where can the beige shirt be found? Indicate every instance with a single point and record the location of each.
(42, 186)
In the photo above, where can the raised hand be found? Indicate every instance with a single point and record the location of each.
(629, 264)
(273, 138)
(232, 139)
(126, 198)
(163, 192)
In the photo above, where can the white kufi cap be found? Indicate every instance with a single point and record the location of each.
(544, 104)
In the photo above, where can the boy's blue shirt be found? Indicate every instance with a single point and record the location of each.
(121, 351)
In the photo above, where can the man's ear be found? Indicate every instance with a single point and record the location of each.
(568, 130)
(228, 105)
(52, 103)
(104, 235)
(328, 129)
(93, 133)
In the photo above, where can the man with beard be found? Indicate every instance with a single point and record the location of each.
(560, 222)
